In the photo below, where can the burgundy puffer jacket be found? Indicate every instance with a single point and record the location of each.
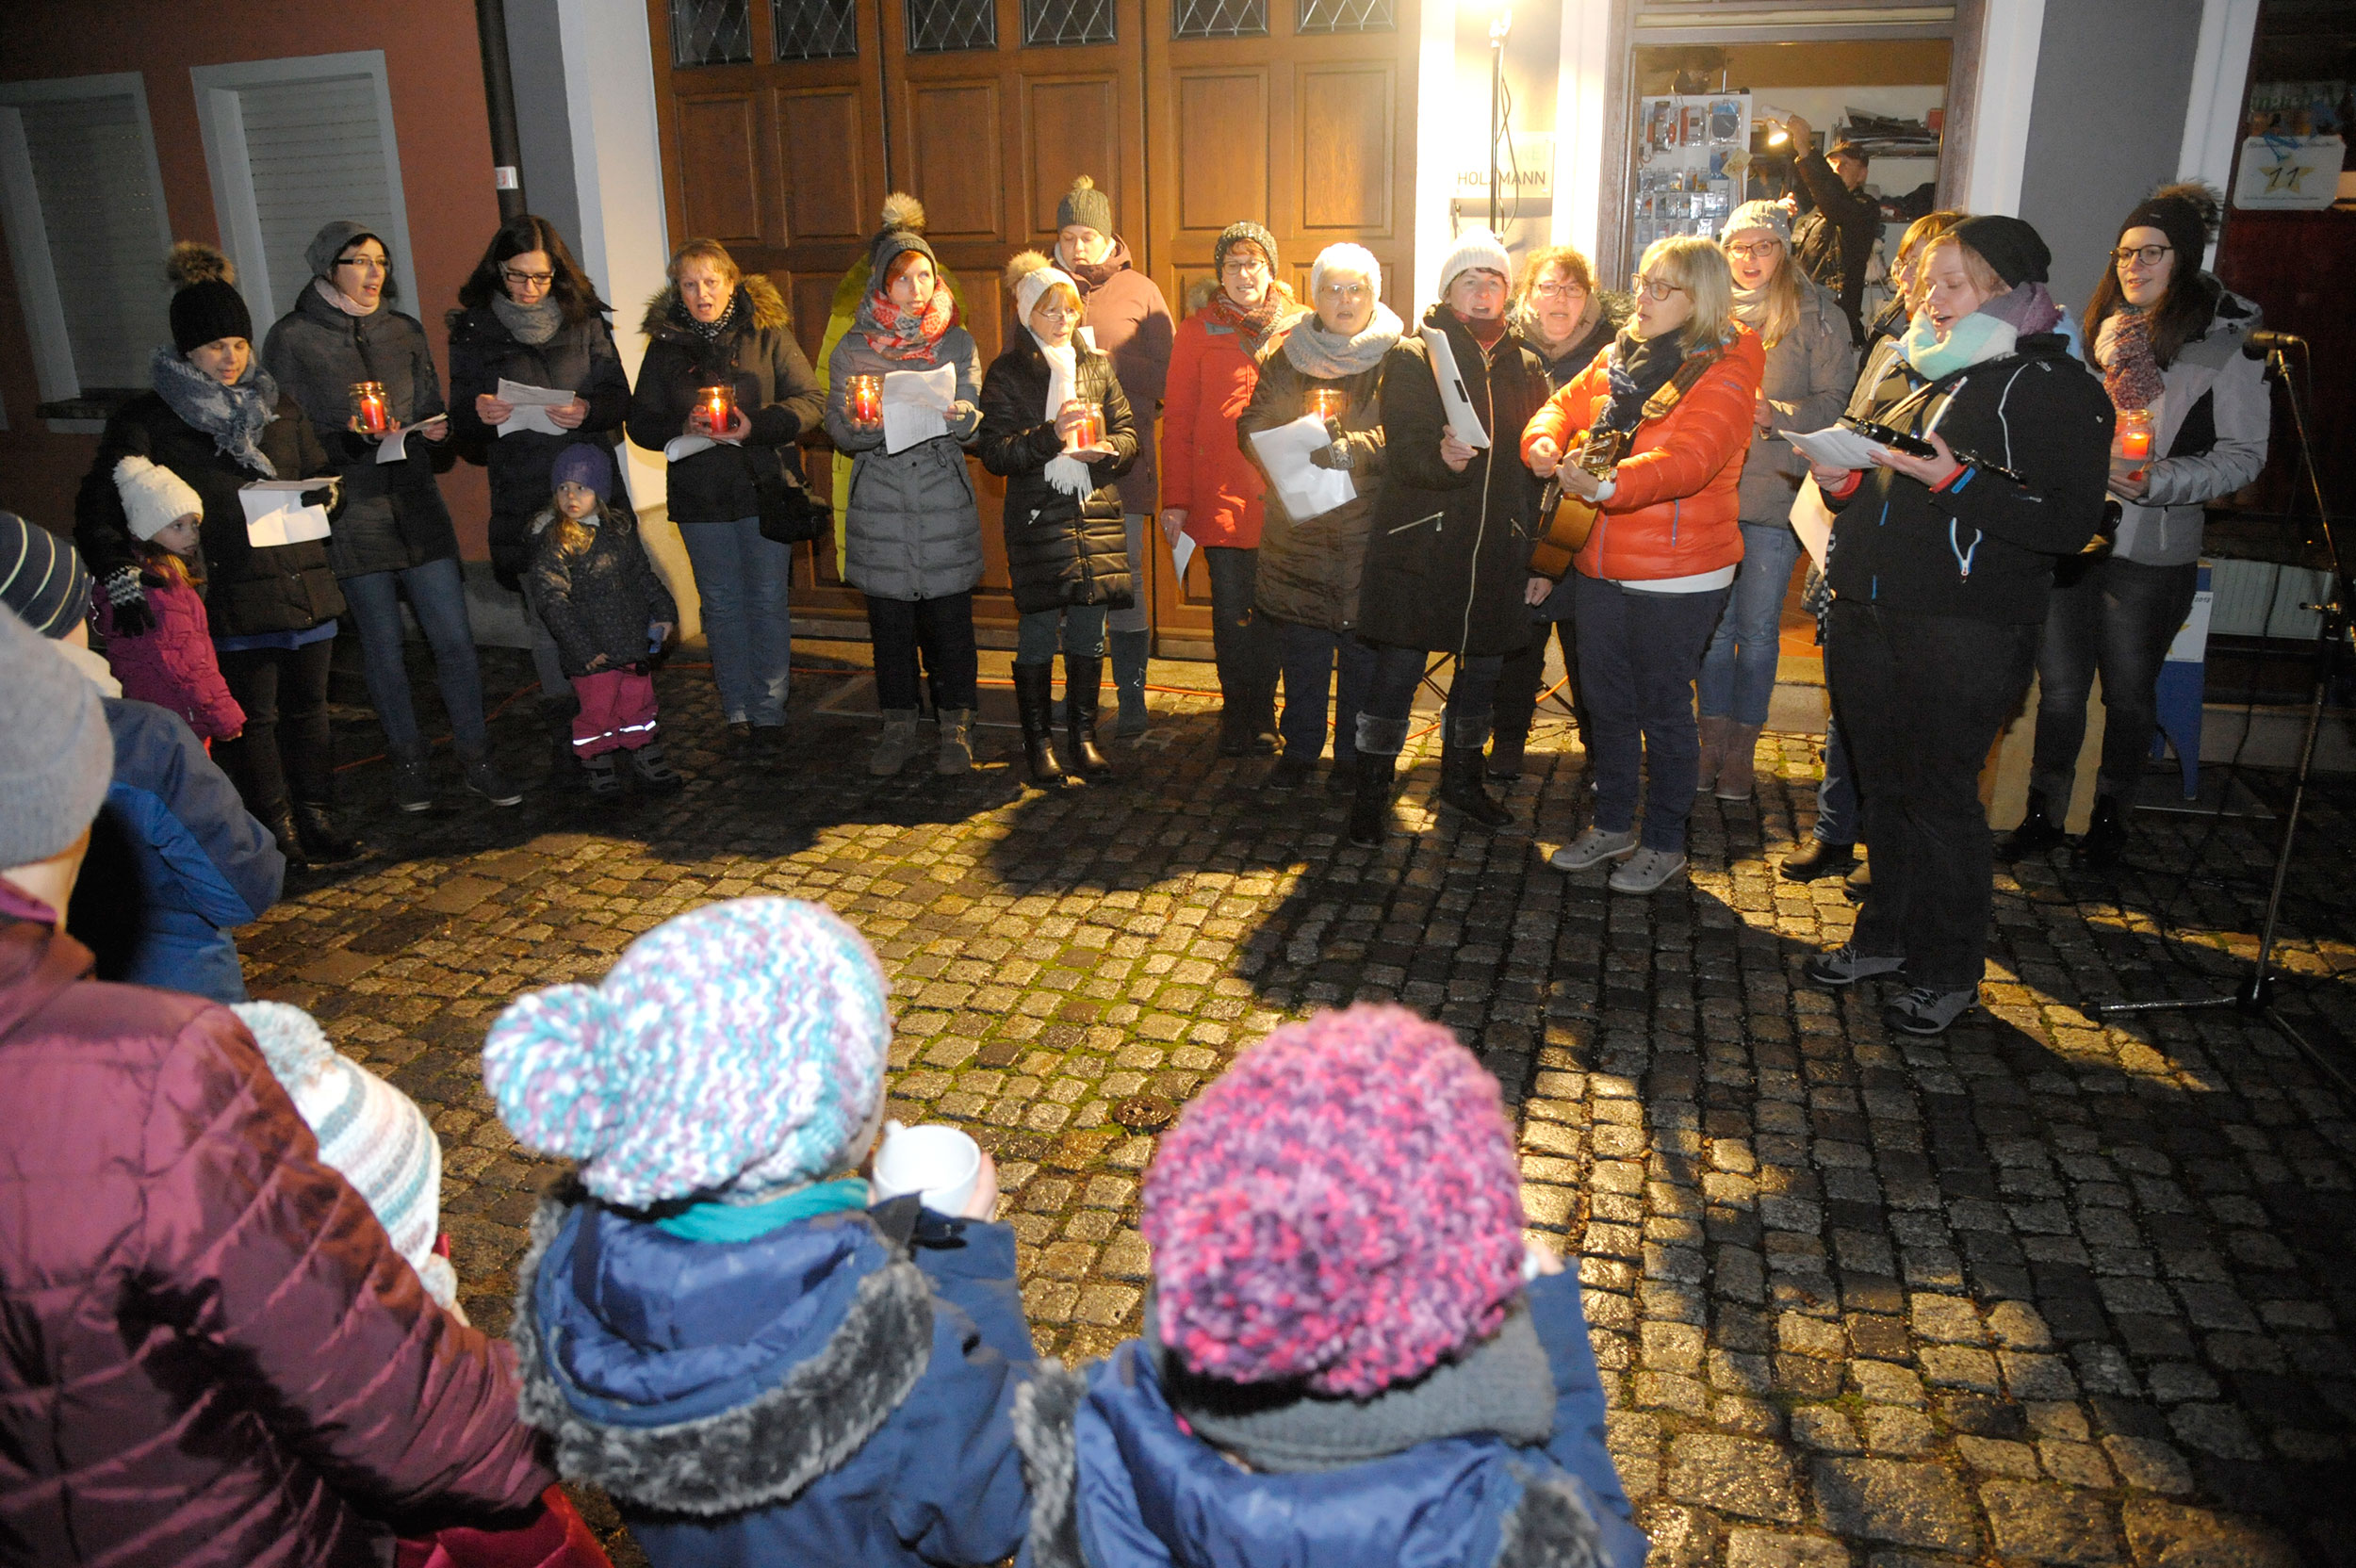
(209, 1351)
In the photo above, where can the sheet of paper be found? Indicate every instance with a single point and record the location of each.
(531, 404)
(688, 445)
(1462, 421)
(395, 447)
(275, 513)
(1306, 490)
(1182, 554)
(916, 405)
(1811, 519)
(1834, 446)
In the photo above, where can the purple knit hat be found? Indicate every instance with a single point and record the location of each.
(1341, 1205)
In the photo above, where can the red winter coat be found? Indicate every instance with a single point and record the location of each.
(209, 1351)
(1203, 471)
(1676, 510)
(174, 665)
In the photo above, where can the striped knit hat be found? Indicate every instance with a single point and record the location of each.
(734, 1052)
(369, 1131)
(41, 578)
(1342, 1205)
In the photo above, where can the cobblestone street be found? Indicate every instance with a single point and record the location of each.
(2042, 1290)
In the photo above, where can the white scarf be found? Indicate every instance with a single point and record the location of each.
(1066, 473)
(344, 302)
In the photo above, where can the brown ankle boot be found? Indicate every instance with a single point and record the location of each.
(1714, 728)
(1741, 755)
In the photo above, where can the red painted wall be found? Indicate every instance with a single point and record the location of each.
(436, 69)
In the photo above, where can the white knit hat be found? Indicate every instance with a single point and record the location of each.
(154, 499)
(369, 1131)
(1476, 249)
(1344, 257)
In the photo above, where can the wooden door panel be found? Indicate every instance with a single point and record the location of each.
(952, 135)
(1223, 120)
(1345, 121)
(1071, 126)
(828, 193)
(719, 163)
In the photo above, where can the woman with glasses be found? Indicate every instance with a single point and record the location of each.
(1056, 428)
(393, 540)
(1680, 392)
(1811, 365)
(528, 314)
(1210, 489)
(2168, 341)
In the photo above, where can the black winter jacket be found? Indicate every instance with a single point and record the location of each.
(579, 358)
(1059, 550)
(775, 389)
(1983, 547)
(1310, 567)
(249, 592)
(1834, 240)
(601, 600)
(1449, 553)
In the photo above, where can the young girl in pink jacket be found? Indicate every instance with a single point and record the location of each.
(172, 665)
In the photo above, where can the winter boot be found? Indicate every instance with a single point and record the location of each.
(324, 843)
(1506, 752)
(898, 743)
(655, 773)
(957, 742)
(1459, 773)
(1083, 681)
(1738, 762)
(1714, 729)
(279, 819)
(605, 779)
(1129, 651)
(2107, 835)
(1034, 701)
(2037, 832)
(1380, 741)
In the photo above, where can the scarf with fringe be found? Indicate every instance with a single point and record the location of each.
(233, 416)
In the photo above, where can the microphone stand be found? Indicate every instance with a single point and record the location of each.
(2255, 995)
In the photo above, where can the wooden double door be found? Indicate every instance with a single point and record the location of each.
(785, 122)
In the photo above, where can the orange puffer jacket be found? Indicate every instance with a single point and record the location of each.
(1677, 509)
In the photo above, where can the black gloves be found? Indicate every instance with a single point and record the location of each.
(132, 618)
(1335, 455)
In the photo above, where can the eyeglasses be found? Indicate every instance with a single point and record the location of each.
(1558, 290)
(527, 280)
(1055, 313)
(2146, 255)
(1244, 264)
(366, 263)
(1652, 288)
(1753, 252)
(1344, 292)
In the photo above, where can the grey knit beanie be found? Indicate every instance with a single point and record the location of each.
(55, 755)
(1084, 203)
(1243, 233)
(335, 238)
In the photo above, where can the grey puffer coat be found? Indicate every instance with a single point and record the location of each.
(912, 529)
(1310, 567)
(1810, 371)
(2212, 422)
(394, 517)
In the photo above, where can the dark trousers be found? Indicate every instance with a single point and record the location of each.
(1638, 654)
(1391, 695)
(1243, 641)
(284, 753)
(1523, 673)
(943, 630)
(1921, 698)
(1837, 818)
(2115, 617)
(1310, 655)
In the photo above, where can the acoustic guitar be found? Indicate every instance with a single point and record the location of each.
(1566, 517)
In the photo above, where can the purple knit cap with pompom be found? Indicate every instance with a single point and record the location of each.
(1341, 1205)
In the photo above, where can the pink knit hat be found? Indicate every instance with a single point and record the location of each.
(1341, 1205)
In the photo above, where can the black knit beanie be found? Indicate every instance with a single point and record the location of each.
(1243, 233)
(2015, 248)
(206, 305)
(2184, 213)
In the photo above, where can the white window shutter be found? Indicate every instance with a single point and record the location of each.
(91, 170)
(316, 151)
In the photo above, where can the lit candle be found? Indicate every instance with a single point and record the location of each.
(862, 400)
(1326, 403)
(717, 406)
(2134, 436)
(1088, 429)
(370, 407)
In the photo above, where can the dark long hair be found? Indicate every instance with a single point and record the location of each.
(518, 236)
(2188, 304)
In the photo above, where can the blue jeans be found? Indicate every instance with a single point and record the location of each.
(742, 578)
(1836, 816)
(1739, 671)
(1391, 696)
(1310, 654)
(1080, 628)
(438, 592)
(1139, 615)
(1243, 641)
(1637, 655)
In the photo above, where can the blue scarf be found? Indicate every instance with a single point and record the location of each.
(1977, 337)
(1640, 368)
(233, 416)
(751, 1221)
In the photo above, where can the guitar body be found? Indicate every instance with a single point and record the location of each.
(1565, 518)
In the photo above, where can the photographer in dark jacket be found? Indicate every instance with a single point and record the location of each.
(529, 316)
(1833, 242)
(1941, 567)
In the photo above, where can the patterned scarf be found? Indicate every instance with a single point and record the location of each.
(709, 332)
(233, 416)
(531, 325)
(898, 333)
(1322, 354)
(1640, 368)
(2130, 374)
(1275, 308)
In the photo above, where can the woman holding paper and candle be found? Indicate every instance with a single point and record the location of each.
(393, 539)
(528, 317)
(1055, 425)
(719, 342)
(217, 420)
(913, 534)
(2193, 417)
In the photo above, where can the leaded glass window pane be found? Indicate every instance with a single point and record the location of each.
(1059, 22)
(938, 26)
(711, 32)
(1345, 16)
(1219, 19)
(816, 29)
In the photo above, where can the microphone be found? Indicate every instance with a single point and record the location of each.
(2268, 342)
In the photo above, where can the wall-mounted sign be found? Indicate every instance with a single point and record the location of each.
(1529, 175)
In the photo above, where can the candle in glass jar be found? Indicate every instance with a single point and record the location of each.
(1326, 403)
(1087, 429)
(717, 406)
(370, 407)
(2132, 438)
(862, 399)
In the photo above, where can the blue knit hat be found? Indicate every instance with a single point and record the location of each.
(734, 1052)
(584, 463)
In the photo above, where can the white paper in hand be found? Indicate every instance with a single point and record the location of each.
(275, 513)
(1811, 519)
(531, 405)
(1182, 554)
(1306, 490)
(916, 405)
(1462, 422)
(688, 445)
(1834, 446)
(395, 447)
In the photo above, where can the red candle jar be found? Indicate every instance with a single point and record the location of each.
(2133, 436)
(862, 401)
(371, 409)
(716, 407)
(1325, 402)
(1088, 429)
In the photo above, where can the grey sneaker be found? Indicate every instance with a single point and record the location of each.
(1645, 871)
(1925, 1011)
(1845, 966)
(413, 786)
(1592, 849)
(485, 779)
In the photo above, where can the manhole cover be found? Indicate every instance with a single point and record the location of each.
(1144, 1113)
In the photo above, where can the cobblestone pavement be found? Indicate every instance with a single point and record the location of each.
(2040, 1291)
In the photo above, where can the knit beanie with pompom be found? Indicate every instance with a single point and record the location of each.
(735, 1051)
(1029, 275)
(206, 305)
(1341, 1206)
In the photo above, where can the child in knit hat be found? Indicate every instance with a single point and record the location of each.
(173, 666)
(1352, 1355)
(714, 1326)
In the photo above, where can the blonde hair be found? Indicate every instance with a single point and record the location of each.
(573, 537)
(1694, 263)
(709, 251)
(1781, 314)
(1914, 245)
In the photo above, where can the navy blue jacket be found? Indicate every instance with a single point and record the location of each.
(812, 1396)
(176, 860)
(1150, 1494)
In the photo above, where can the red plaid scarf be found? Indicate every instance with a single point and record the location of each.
(896, 333)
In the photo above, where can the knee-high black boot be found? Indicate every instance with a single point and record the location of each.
(1034, 703)
(1082, 682)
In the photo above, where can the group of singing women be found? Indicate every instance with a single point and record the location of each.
(1937, 598)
